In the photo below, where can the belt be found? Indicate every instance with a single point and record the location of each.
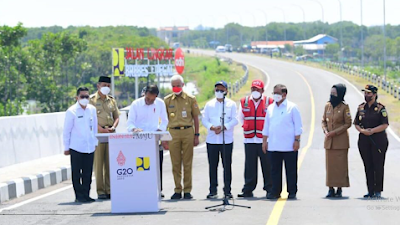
(180, 128)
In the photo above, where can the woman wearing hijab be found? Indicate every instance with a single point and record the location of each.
(335, 122)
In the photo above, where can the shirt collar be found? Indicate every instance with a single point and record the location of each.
(98, 96)
(283, 103)
(183, 95)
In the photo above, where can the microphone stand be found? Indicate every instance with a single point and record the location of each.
(225, 200)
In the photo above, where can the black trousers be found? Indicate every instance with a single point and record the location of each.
(161, 163)
(253, 151)
(82, 168)
(290, 159)
(214, 151)
(374, 161)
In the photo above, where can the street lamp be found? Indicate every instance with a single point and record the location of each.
(322, 11)
(284, 21)
(341, 33)
(384, 40)
(362, 35)
(266, 24)
(304, 20)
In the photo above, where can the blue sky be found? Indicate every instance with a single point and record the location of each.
(211, 13)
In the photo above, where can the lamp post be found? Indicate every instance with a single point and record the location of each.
(362, 35)
(304, 20)
(284, 21)
(384, 40)
(341, 33)
(266, 23)
(322, 11)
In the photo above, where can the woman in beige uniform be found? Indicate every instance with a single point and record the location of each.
(335, 122)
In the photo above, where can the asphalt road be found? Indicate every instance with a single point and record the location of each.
(309, 88)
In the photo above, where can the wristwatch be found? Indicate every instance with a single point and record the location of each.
(298, 140)
(197, 134)
(113, 128)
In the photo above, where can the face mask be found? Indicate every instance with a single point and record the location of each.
(368, 98)
(219, 95)
(105, 90)
(277, 98)
(256, 94)
(177, 90)
(83, 101)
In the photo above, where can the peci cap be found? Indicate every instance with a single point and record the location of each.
(370, 88)
(221, 82)
(105, 79)
(257, 84)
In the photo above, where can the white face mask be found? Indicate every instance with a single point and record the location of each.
(105, 90)
(256, 94)
(83, 101)
(277, 98)
(219, 95)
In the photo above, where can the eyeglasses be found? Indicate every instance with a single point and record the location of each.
(218, 90)
(84, 96)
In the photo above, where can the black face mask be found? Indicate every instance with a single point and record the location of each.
(335, 100)
(368, 98)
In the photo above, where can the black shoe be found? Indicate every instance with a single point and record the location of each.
(81, 200)
(187, 196)
(331, 193)
(378, 194)
(229, 196)
(89, 199)
(369, 195)
(212, 196)
(338, 193)
(102, 196)
(162, 195)
(246, 195)
(176, 196)
(272, 196)
(291, 196)
(108, 196)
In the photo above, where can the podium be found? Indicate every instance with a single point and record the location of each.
(134, 170)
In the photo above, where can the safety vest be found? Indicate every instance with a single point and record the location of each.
(254, 118)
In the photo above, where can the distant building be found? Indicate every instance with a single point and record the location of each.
(316, 44)
(270, 45)
(169, 33)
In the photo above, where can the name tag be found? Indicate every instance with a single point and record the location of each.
(171, 106)
(246, 110)
(80, 116)
(184, 114)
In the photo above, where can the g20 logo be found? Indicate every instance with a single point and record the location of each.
(124, 172)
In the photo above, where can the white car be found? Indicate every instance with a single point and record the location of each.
(220, 49)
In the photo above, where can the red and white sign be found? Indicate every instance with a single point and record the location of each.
(179, 61)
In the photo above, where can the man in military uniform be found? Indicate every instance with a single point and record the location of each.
(108, 118)
(183, 112)
(371, 121)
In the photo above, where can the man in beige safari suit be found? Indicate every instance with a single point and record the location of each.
(108, 118)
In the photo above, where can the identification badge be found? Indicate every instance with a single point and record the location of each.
(360, 118)
(184, 114)
(246, 110)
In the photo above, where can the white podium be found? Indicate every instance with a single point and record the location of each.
(134, 170)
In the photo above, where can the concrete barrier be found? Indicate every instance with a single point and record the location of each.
(25, 138)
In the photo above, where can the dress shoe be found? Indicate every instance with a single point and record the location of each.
(102, 196)
(212, 196)
(369, 195)
(229, 196)
(81, 200)
(378, 194)
(331, 193)
(291, 196)
(338, 193)
(187, 196)
(272, 196)
(108, 196)
(89, 199)
(245, 195)
(176, 196)
(162, 195)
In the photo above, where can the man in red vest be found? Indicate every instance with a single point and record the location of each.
(251, 114)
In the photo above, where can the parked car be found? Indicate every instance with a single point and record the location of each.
(220, 49)
(228, 48)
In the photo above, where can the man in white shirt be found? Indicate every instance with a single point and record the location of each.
(80, 128)
(148, 113)
(252, 111)
(217, 143)
(281, 138)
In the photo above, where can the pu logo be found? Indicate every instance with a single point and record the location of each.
(142, 163)
(256, 83)
(118, 61)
